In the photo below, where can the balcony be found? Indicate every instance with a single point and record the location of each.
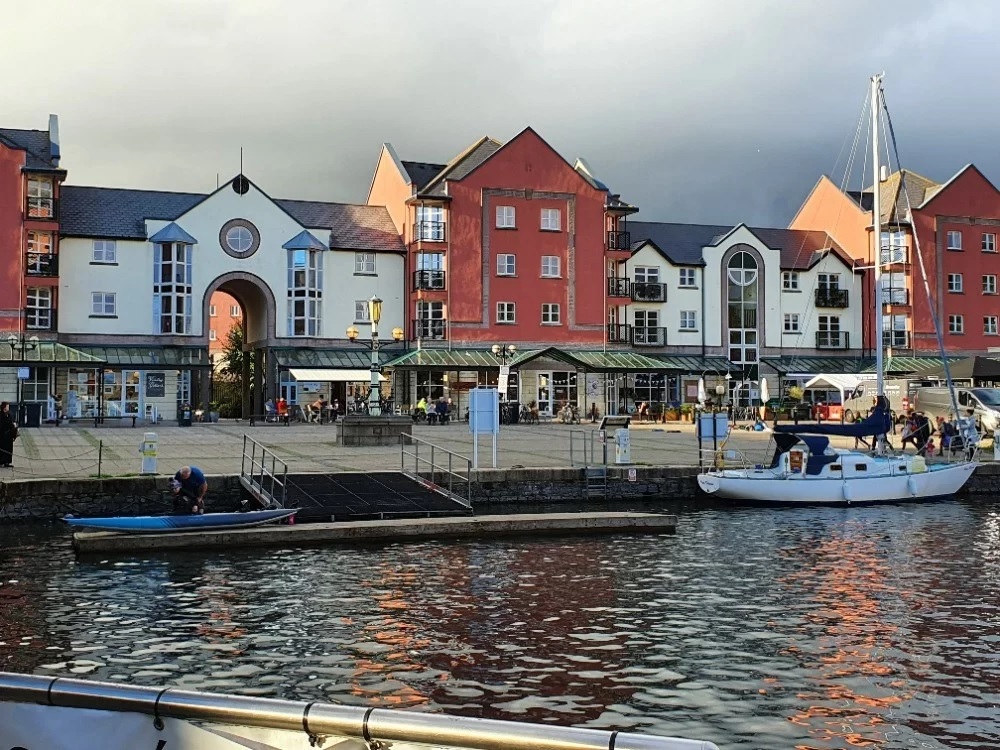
(429, 231)
(619, 240)
(432, 329)
(649, 291)
(649, 336)
(831, 297)
(832, 340)
(428, 280)
(893, 254)
(619, 333)
(895, 296)
(618, 287)
(39, 319)
(896, 339)
(41, 264)
(45, 209)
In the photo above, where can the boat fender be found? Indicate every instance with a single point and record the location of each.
(848, 493)
(911, 484)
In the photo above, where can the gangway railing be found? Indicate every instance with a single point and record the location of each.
(27, 696)
(437, 468)
(588, 449)
(263, 474)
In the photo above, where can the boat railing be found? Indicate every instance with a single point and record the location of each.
(724, 457)
(437, 468)
(263, 474)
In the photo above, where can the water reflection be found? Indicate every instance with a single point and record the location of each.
(809, 628)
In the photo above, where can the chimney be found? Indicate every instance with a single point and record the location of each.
(54, 139)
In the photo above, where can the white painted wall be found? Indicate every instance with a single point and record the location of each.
(131, 281)
(803, 303)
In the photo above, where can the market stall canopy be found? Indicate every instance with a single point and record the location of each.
(334, 376)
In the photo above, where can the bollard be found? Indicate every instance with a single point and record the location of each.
(623, 446)
(148, 449)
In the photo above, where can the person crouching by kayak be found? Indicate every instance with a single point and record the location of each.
(190, 487)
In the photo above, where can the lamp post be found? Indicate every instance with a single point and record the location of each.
(18, 344)
(375, 315)
(503, 353)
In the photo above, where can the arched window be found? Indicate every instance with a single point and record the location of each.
(742, 281)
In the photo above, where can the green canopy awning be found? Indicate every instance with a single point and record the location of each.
(150, 357)
(47, 353)
(696, 364)
(907, 365)
(816, 365)
(448, 359)
(331, 359)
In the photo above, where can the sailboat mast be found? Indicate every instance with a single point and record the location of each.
(876, 82)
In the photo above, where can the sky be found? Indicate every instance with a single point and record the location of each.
(714, 111)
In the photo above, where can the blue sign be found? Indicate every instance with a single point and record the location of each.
(484, 411)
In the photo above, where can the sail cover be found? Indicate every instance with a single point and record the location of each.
(879, 422)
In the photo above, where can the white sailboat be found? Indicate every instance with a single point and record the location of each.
(805, 469)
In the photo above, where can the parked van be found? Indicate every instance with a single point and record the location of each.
(936, 402)
(851, 397)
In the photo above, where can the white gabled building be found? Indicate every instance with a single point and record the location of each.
(138, 269)
(763, 299)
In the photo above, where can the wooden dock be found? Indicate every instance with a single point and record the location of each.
(396, 530)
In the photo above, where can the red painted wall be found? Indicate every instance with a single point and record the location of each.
(526, 163)
(961, 206)
(11, 198)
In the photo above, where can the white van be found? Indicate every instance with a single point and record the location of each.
(936, 402)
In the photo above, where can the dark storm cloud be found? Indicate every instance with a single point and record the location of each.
(705, 110)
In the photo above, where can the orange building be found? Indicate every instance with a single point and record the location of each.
(224, 312)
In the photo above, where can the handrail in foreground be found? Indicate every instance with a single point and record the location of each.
(441, 477)
(259, 467)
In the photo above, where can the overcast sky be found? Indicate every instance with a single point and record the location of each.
(713, 111)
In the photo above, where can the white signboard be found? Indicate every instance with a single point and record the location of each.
(503, 379)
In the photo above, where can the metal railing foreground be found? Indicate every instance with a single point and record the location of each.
(263, 474)
(438, 468)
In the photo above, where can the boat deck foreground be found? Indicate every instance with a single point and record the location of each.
(346, 532)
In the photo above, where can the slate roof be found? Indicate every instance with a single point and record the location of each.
(115, 213)
(682, 244)
(893, 196)
(422, 172)
(464, 163)
(35, 142)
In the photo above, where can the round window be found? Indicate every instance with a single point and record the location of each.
(239, 238)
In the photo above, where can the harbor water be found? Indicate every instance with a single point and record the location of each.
(752, 627)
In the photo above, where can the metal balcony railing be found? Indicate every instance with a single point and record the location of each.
(618, 287)
(428, 279)
(429, 328)
(896, 339)
(619, 333)
(40, 318)
(41, 264)
(829, 297)
(619, 240)
(649, 336)
(429, 231)
(892, 254)
(649, 291)
(832, 340)
(895, 296)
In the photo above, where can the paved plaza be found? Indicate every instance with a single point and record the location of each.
(79, 451)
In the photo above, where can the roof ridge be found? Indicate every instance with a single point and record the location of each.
(462, 156)
(134, 190)
(328, 203)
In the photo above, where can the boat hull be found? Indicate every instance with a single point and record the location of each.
(765, 487)
(165, 524)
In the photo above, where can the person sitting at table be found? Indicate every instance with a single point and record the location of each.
(282, 409)
(316, 410)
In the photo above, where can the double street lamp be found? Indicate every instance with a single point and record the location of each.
(375, 315)
(20, 346)
(503, 353)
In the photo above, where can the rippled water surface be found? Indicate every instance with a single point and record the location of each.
(772, 628)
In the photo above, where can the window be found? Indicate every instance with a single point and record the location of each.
(689, 320)
(38, 314)
(211, 334)
(505, 265)
(550, 313)
(550, 266)
(40, 203)
(894, 331)
(430, 323)
(955, 283)
(829, 334)
(647, 274)
(430, 261)
(172, 301)
(39, 261)
(211, 311)
(893, 247)
(551, 220)
(430, 223)
(742, 280)
(989, 283)
(39, 242)
(234, 311)
(505, 312)
(956, 324)
(954, 240)
(646, 330)
(505, 217)
(990, 325)
(305, 291)
(989, 242)
(686, 278)
(364, 263)
(828, 281)
(361, 311)
(792, 323)
(790, 281)
(102, 304)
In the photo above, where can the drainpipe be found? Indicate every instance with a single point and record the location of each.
(704, 324)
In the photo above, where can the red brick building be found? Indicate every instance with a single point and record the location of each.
(955, 225)
(224, 312)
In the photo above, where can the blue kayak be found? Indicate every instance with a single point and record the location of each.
(161, 524)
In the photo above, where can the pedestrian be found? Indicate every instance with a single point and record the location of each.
(441, 409)
(189, 487)
(969, 433)
(8, 434)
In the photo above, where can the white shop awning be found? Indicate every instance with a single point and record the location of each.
(334, 376)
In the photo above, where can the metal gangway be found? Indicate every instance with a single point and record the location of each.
(263, 474)
(588, 450)
(436, 468)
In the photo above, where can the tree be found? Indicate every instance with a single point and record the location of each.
(233, 356)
